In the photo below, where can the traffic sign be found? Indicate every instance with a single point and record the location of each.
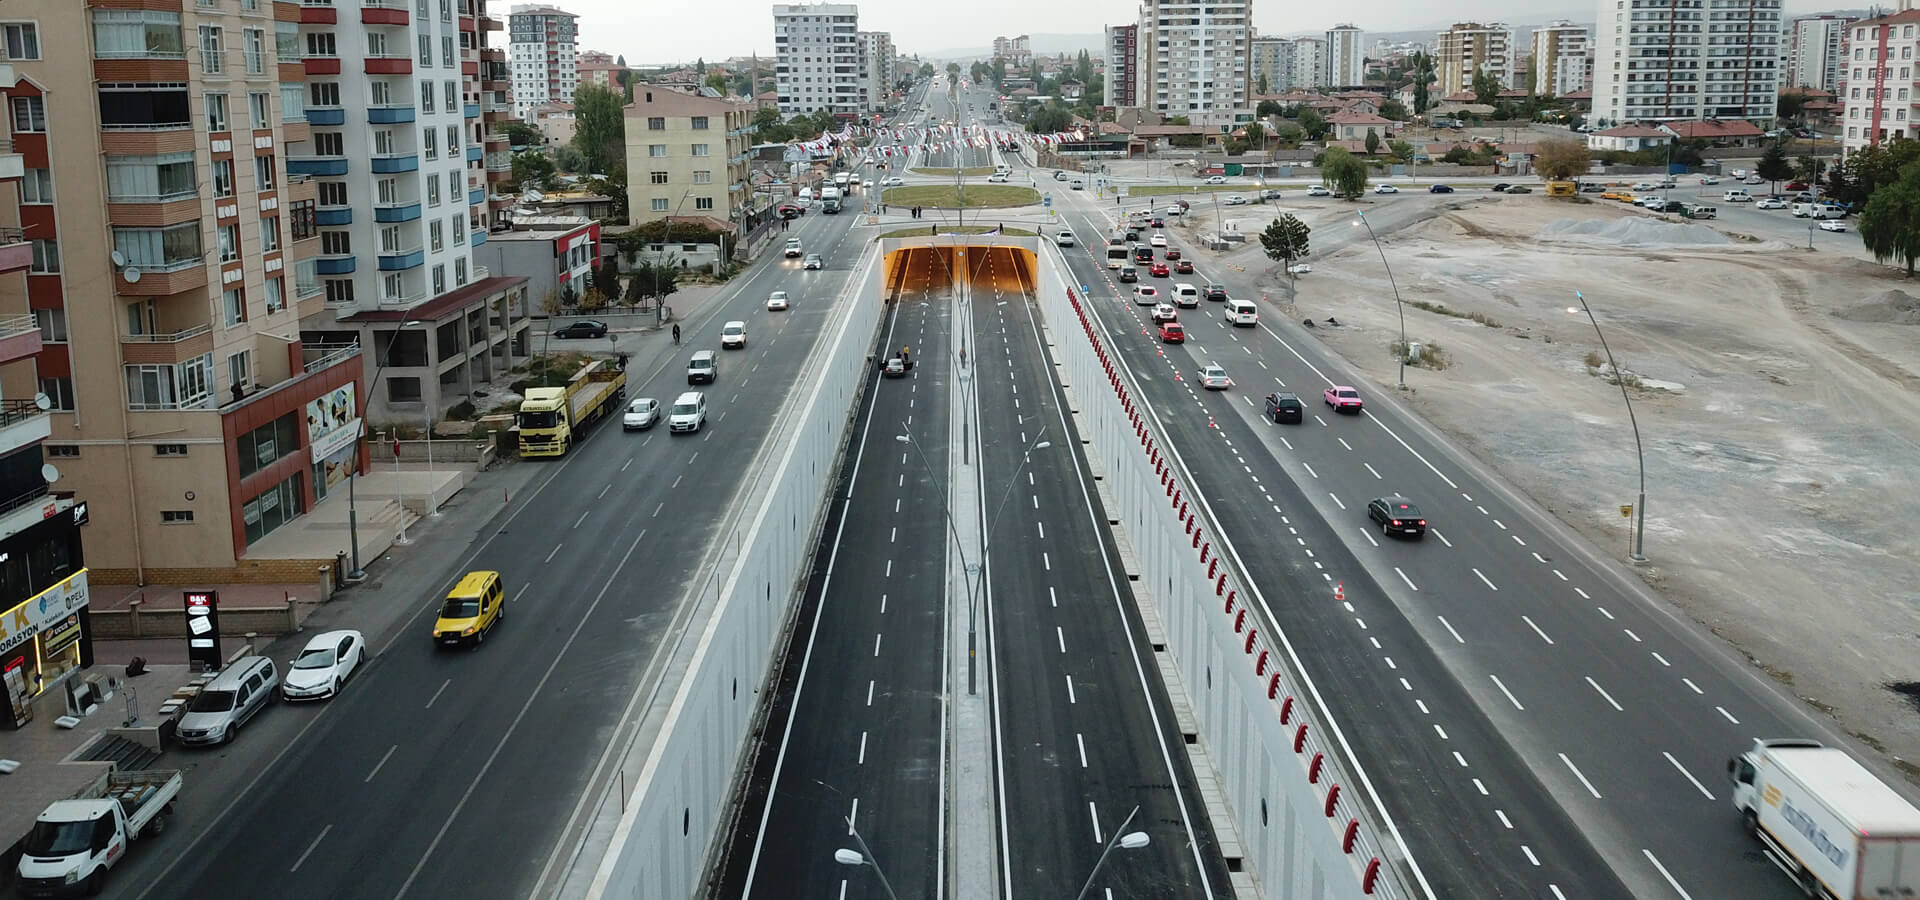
(1626, 511)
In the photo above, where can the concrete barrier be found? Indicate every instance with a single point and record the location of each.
(136, 622)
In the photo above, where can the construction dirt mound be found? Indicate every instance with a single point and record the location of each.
(1633, 231)
(1894, 307)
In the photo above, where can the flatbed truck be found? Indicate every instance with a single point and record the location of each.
(553, 419)
(75, 841)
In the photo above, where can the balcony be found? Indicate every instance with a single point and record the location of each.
(23, 422)
(318, 13)
(479, 237)
(151, 68)
(389, 115)
(179, 346)
(401, 212)
(322, 65)
(499, 161)
(491, 24)
(497, 138)
(334, 265)
(402, 260)
(391, 64)
(384, 12)
(467, 23)
(154, 212)
(470, 68)
(471, 110)
(396, 163)
(474, 153)
(333, 216)
(183, 276)
(476, 196)
(19, 337)
(326, 115)
(16, 252)
(317, 165)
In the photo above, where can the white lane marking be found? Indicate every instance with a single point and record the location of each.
(876, 644)
(1485, 580)
(1442, 537)
(1604, 695)
(853, 815)
(1556, 891)
(1583, 594)
(1577, 774)
(1081, 742)
(1667, 875)
(1460, 759)
(893, 535)
(1689, 776)
(1629, 631)
(1538, 558)
(1062, 635)
(377, 766)
(1662, 659)
(1042, 526)
(1603, 611)
(1536, 629)
(863, 750)
(1366, 533)
(1730, 718)
(1503, 525)
(309, 851)
(1503, 689)
(1336, 500)
(556, 549)
(1409, 581)
(1503, 818)
(436, 694)
(1070, 697)
(1343, 443)
(1689, 683)
(1556, 572)
(1309, 469)
(1370, 468)
(1094, 812)
(603, 492)
(1529, 852)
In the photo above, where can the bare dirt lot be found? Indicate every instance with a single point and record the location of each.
(1776, 393)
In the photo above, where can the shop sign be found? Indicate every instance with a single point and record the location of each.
(42, 610)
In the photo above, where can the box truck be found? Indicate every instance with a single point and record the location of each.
(1826, 821)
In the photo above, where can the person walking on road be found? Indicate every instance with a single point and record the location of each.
(676, 334)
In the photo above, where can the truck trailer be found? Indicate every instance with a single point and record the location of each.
(553, 419)
(1826, 821)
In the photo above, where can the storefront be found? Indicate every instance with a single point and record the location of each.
(41, 645)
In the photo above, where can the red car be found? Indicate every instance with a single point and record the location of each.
(1172, 254)
(1160, 270)
(1184, 267)
(1343, 399)
(1172, 333)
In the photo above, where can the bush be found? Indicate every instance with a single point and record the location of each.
(1594, 359)
(463, 410)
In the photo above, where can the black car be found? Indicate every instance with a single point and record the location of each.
(1217, 292)
(1501, 188)
(1285, 408)
(1116, 242)
(1440, 189)
(1397, 515)
(1158, 222)
(1129, 274)
(1133, 234)
(585, 328)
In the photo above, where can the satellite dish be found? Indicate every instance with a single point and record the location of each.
(50, 473)
(131, 274)
(119, 259)
(42, 402)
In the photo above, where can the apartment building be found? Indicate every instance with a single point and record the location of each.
(1657, 60)
(597, 68)
(1122, 69)
(687, 155)
(1559, 59)
(817, 60)
(1346, 59)
(541, 45)
(1193, 59)
(43, 575)
(1271, 59)
(876, 64)
(1811, 46)
(1015, 50)
(1310, 63)
(1878, 87)
(1469, 48)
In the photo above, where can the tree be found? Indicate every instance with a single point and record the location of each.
(1809, 169)
(1790, 105)
(600, 127)
(568, 159)
(1400, 149)
(1260, 86)
(520, 134)
(1290, 133)
(1267, 108)
(620, 60)
(1049, 119)
(533, 169)
(1421, 98)
(1395, 110)
(1485, 87)
(1561, 160)
(718, 82)
(700, 65)
(1310, 122)
(1343, 172)
(1372, 142)
(1285, 240)
(1890, 225)
(1256, 135)
(1773, 165)
(606, 278)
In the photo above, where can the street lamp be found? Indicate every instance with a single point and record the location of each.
(1402, 307)
(1638, 555)
(986, 540)
(358, 574)
(666, 241)
(1122, 838)
(862, 857)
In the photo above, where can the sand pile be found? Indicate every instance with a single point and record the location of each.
(1633, 231)
(1893, 307)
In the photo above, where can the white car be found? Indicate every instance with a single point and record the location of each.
(1214, 378)
(1165, 313)
(1064, 239)
(1216, 179)
(1146, 295)
(814, 262)
(1299, 269)
(641, 414)
(733, 335)
(894, 181)
(1236, 200)
(997, 178)
(1754, 179)
(794, 248)
(1158, 240)
(1709, 179)
(1645, 186)
(1771, 203)
(1319, 190)
(1386, 189)
(327, 662)
(1832, 225)
(777, 300)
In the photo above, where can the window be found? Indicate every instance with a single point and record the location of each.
(227, 238)
(212, 55)
(260, 110)
(393, 287)
(703, 203)
(439, 278)
(46, 257)
(383, 142)
(263, 173)
(176, 386)
(29, 114)
(376, 44)
(702, 177)
(335, 243)
(434, 237)
(446, 52)
(656, 150)
(61, 451)
(23, 40)
(176, 516)
(459, 269)
(426, 97)
(453, 187)
(269, 234)
(53, 325)
(433, 192)
(657, 177)
(286, 41)
(240, 369)
(59, 389)
(332, 193)
(233, 301)
(160, 249)
(37, 186)
(323, 93)
(452, 91)
(453, 140)
(659, 204)
(263, 446)
(459, 228)
(391, 239)
(276, 291)
(381, 93)
(169, 449)
(700, 123)
(446, 10)
(339, 290)
(430, 143)
(699, 149)
(255, 47)
(216, 112)
(138, 34)
(222, 177)
(426, 50)
(656, 123)
(320, 43)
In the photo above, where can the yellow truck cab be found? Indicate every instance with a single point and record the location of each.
(471, 609)
(553, 419)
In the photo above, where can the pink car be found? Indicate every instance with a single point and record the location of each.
(1343, 399)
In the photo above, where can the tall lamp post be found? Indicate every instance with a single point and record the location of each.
(1402, 307)
(666, 242)
(1122, 838)
(973, 571)
(1639, 554)
(863, 857)
(358, 574)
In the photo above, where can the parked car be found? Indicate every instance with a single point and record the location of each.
(1319, 190)
(324, 665)
(641, 414)
(1519, 189)
(1753, 179)
(1216, 179)
(1299, 269)
(893, 181)
(1343, 398)
(1285, 407)
(1235, 200)
(1386, 189)
(1397, 515)
(585, 328)
(1440, 189)
(1771, 203)
(1214, 378)
(1832, 225)
(1645, 186)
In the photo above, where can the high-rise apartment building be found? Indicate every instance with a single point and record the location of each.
(1346, 57)
(687, 154)
(1559, 59)
(1310, 62)
(817, 59)
(1468, 48)
(876, 65)
(1876, 90)
(1122, 69)
(1015, 50)
(1193, 59)
(1271, 59)
(1657, 60)
(1811, 45)
(544, 59)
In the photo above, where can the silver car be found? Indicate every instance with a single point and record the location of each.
(214, 715)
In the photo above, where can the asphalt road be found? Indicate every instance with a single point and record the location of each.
(455, 773)
(1532, 720)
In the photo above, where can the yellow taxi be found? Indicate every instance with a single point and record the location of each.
(471, 610)
(1610, 195)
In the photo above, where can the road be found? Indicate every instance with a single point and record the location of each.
(1532, 719)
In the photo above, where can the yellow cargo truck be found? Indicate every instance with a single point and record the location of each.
(1561, 188)
(553, 419)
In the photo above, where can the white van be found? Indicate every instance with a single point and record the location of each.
(1186, 296)
(689, 412)
(1823, 211)
(1804, 210)
(1242, 312)
(1003, 169)
(214, 715)
(1736, 196)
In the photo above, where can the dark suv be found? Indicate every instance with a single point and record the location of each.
(1217, 292)
(1129, 274)
(1285, 408)
(1397, 515)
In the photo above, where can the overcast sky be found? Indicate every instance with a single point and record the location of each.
(660, 32)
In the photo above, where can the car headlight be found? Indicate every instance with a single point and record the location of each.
(73, 875)
(468, 632)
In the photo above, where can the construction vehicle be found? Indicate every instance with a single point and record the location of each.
(553, 419)
(1562, 188)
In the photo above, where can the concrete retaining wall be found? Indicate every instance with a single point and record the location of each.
(1260, 720)
(135, 623)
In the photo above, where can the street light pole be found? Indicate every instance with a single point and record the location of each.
(863, 857)
(1122, 838)
(1402, 307)
(358, 574)
(1639, 554)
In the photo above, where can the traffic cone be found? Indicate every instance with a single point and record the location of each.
(1210, 423)
(1340, 591)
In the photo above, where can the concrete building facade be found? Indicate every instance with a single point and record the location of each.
(601, 69)
(1346, 57)
(876, 66)
(1122, 69)
(1015, 50)
(817, 59)
(1193, 59)
(1559, 60)
(542, 47)
(687, 155)
(1878, 90)
(1812, 46)
(1469, 48)
(1271, 59)
(1655, 60)
(1310, 63)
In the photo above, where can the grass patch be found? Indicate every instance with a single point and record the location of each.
(946, 196)
(1441, 309)
(1430, 356)
(970, 171)
(1156, 190)
(923, 231)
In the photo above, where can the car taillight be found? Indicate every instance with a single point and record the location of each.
(1396, 523)
(1423, 523)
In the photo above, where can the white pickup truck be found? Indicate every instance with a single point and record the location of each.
(74, 842)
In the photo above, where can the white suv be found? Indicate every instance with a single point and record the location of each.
(1146, 295)
(794, 250)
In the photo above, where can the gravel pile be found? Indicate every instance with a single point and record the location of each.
(1893, 307)
(1634, 231)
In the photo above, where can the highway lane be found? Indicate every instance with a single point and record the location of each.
(861, 728)
(1084, 730)
(1624, 713)
(448, 773)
